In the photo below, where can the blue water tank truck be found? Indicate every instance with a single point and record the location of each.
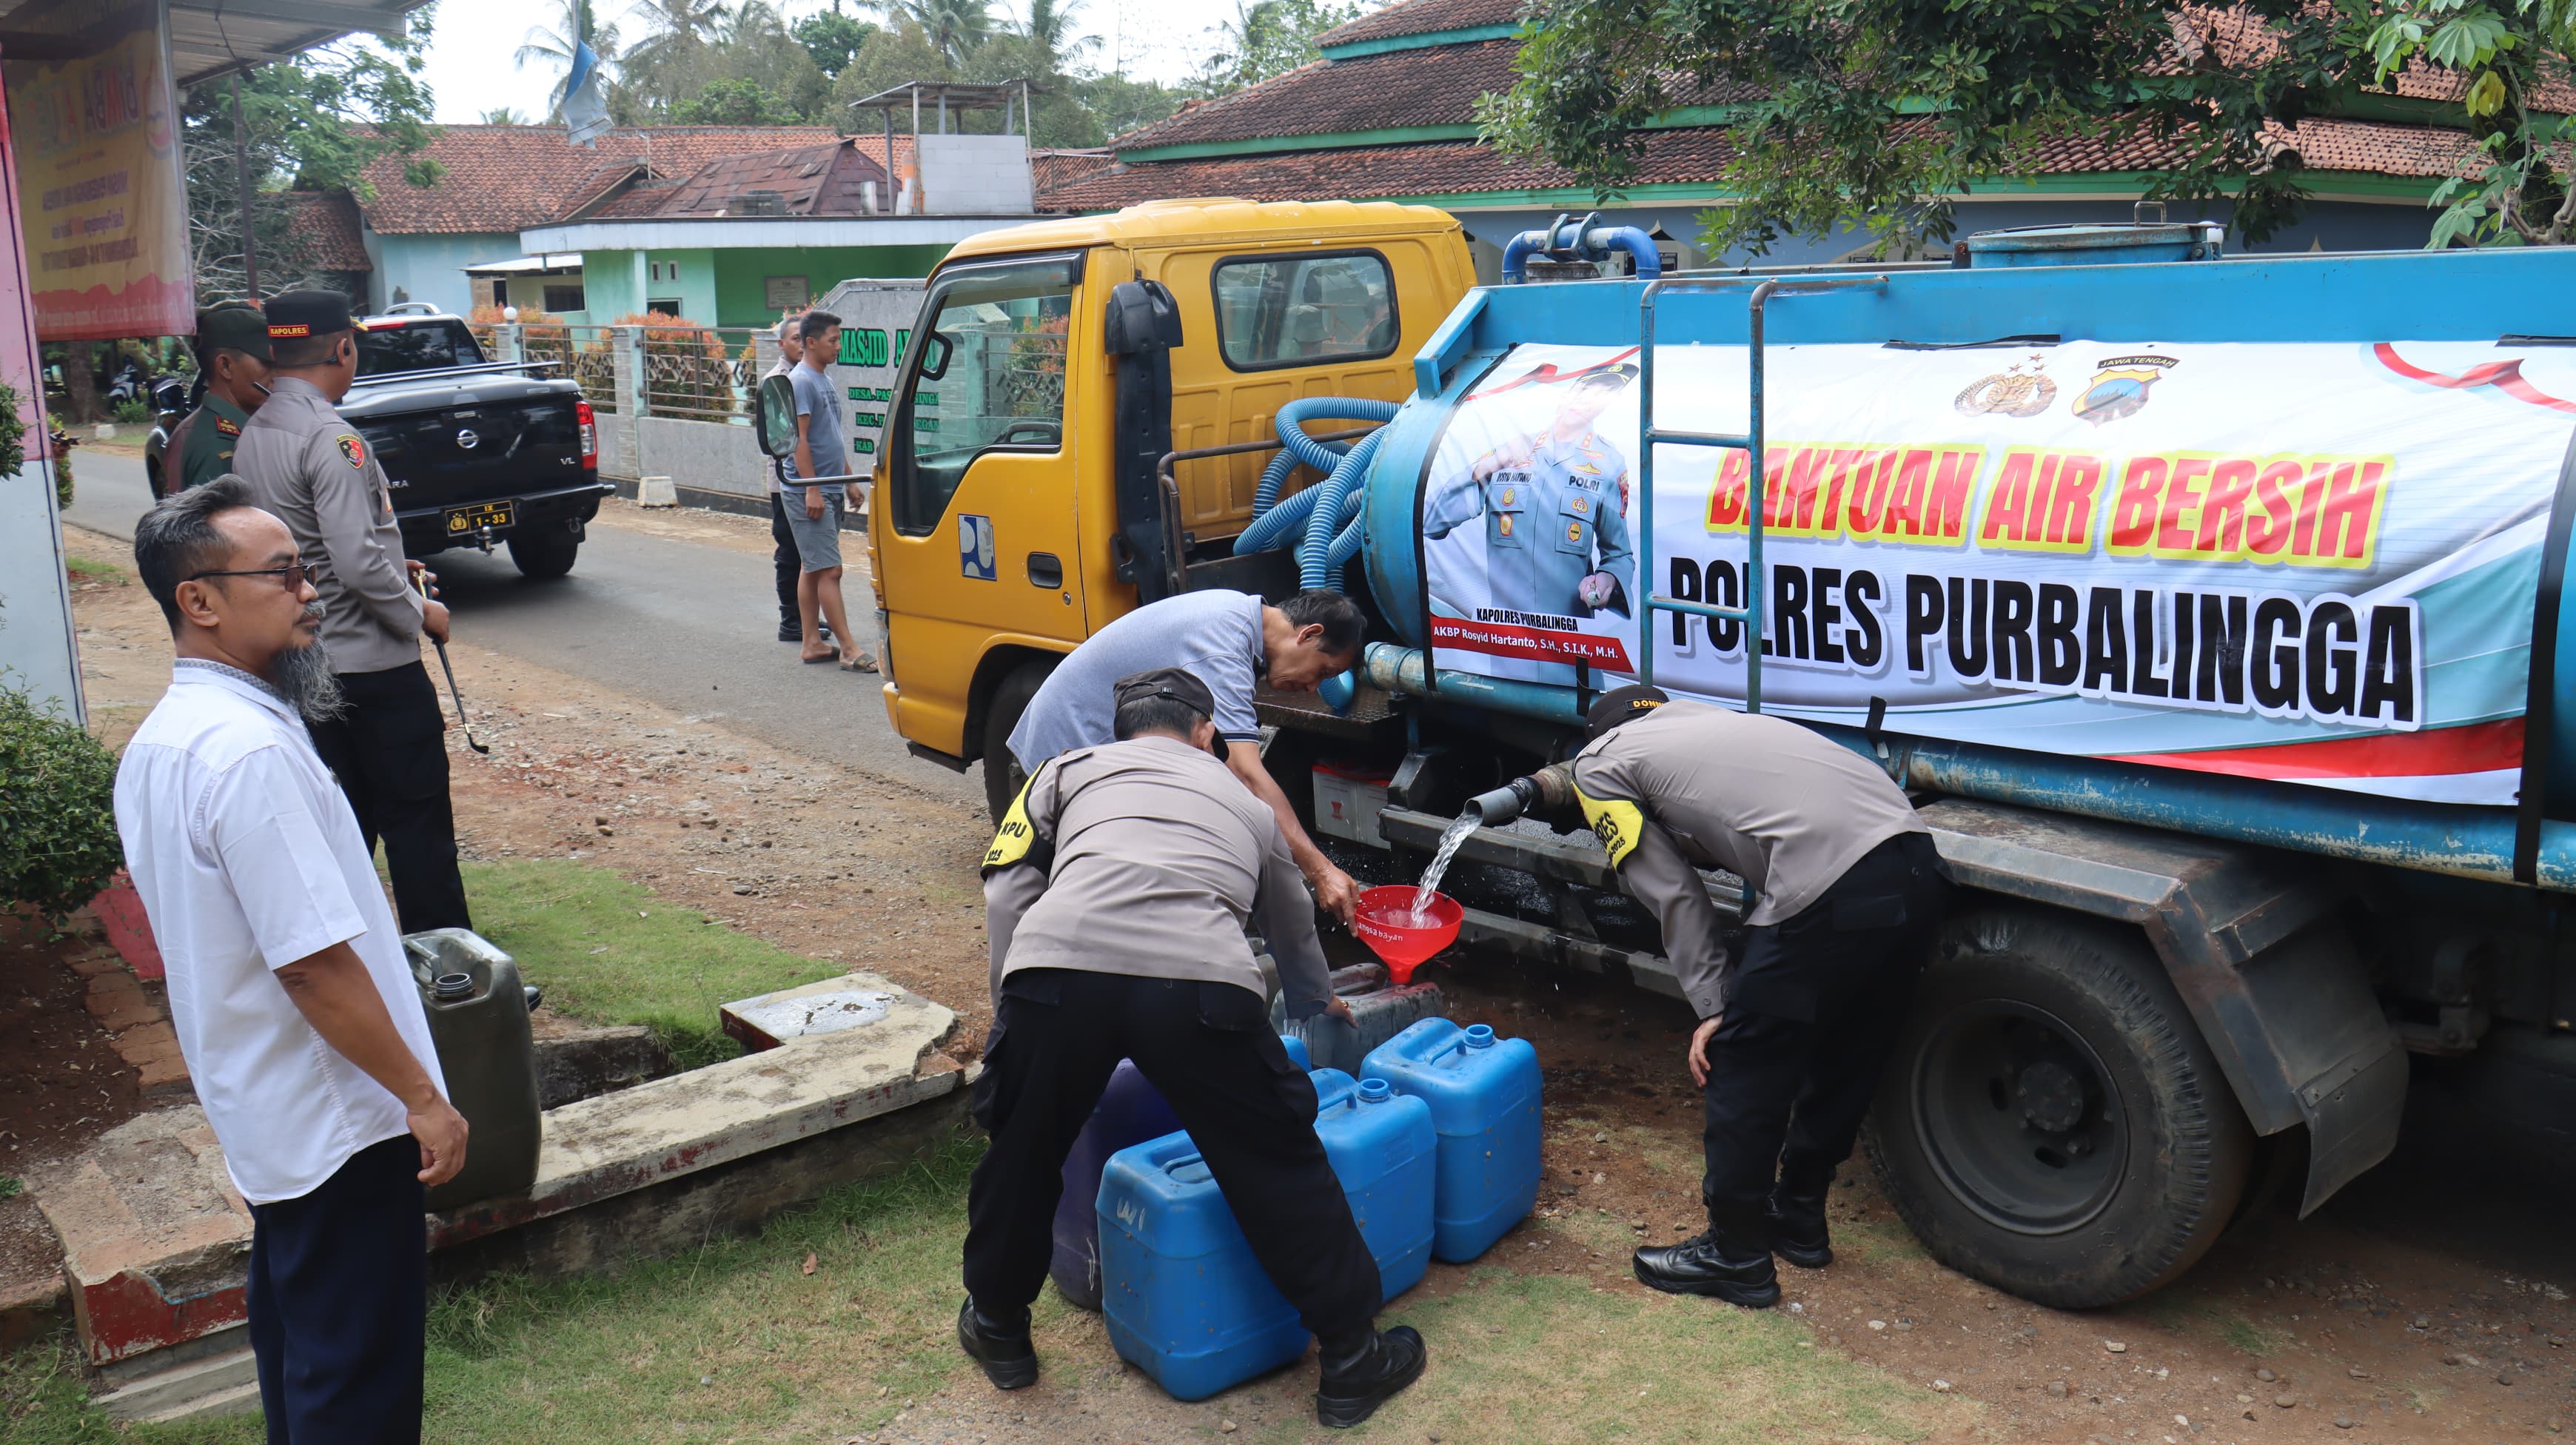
(2212, 607)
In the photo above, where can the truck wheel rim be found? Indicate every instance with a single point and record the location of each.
(2018, 1115)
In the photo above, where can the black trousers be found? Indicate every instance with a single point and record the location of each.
(339, 1291)
(785, 563)
(1208, 1047)
(1785, 1096)
(390, 753)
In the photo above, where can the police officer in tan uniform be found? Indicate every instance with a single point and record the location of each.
(313, 470)
(1116, 895)
(1842, 893)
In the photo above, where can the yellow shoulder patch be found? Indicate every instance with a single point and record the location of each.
(1012, 841)
(1619, 823)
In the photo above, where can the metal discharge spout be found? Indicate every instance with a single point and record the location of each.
(1547, 790)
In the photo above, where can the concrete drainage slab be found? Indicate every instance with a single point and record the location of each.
(826, 1007)
(156, 1243)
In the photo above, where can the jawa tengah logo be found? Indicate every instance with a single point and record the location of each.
(2013, 391)
(2120, 387)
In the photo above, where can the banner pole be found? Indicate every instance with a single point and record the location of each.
(241, 182)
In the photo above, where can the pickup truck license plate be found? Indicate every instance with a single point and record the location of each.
(462, 520)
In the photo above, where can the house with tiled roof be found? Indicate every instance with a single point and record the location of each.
(1389, 114)
(498, 180)
(727, 225)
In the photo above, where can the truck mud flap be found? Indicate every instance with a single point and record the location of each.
(2254, 944)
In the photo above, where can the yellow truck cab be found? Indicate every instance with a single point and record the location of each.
(1021, 500)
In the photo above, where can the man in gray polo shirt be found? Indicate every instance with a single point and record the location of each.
(1231, 641)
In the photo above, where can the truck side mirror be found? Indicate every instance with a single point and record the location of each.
(1142, 317)
(773, 421)
(935, 350)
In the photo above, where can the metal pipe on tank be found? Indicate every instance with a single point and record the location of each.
(2463, 842)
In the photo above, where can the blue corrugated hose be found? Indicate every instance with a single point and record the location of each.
(1323, 519)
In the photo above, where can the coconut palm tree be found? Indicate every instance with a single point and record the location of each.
(551, 45)
(1050, 32)
(955, 27)
(677, 31)
(504, 115)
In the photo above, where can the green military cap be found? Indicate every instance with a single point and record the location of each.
(234, 325)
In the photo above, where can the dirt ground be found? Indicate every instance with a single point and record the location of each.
(2362, 1322)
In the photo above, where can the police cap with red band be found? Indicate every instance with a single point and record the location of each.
(296, 314)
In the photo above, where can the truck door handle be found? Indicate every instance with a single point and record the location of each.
(1046, 570)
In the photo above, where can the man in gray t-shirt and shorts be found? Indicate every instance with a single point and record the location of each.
(1231, 641)
(814, 513)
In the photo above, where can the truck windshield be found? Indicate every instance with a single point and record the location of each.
(990, 378)
(428, 344)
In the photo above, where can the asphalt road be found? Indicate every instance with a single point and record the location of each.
(685, 625)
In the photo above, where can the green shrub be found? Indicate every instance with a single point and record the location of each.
(58, 844)
(132, 413)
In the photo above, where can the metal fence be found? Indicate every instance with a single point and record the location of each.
(699, 373)
(690, 373)
(586, 357)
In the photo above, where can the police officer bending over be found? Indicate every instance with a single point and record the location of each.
(1842, 889)
(1116, 896)
(233, 376)
(312, 469)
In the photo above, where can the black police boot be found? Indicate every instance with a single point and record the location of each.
(1797, 1216)
(1360, 1377)
(1709, 1264)
(1003, 1349)
(793, 631)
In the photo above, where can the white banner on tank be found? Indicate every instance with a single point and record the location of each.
(2311, 563)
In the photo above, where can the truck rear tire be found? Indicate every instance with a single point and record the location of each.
(1002, 776)
(541, 557)
(2051, 1121)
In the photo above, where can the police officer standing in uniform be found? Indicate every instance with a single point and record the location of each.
(1116, 896)
(1842, 889)
(233, 370)
(314, 471)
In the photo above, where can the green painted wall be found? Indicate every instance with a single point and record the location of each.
(730, 288)
(741, 277)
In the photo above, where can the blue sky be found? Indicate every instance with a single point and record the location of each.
(470, 72)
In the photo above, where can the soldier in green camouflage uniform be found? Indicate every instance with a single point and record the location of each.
(233, 361)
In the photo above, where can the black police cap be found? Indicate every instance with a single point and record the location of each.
(293, 315)
(1622, 704)
(1176, 683)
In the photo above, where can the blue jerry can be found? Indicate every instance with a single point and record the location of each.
(1483, 1093)
(1183, 1297)
(1383, 1147)
(1129, 1112)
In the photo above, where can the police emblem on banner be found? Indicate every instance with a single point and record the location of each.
(2010, 392)
(2120, 387)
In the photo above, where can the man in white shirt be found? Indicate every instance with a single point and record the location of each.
(298, 1016)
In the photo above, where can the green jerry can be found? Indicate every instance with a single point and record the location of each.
(478, 1018)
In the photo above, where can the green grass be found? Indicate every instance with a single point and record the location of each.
(2250, 1337)
(84, 569)
(734, 1341)
(1533, 1358)
(42, 1399)
(607, 952)
(618, 1358)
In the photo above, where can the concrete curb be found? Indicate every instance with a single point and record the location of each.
(156, 1243)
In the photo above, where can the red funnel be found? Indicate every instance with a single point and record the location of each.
(1389, 926)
